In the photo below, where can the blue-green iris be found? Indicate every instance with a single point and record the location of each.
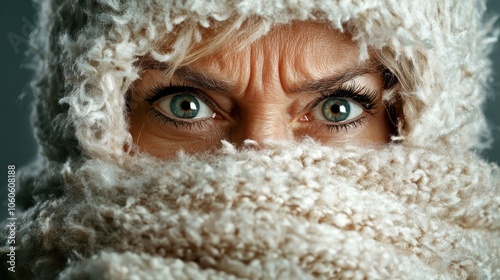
(336, 109)
(184, 106)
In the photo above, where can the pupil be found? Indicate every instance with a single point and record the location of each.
(186, 105)
(335, 109)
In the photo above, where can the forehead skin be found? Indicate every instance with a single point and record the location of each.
(288, 55)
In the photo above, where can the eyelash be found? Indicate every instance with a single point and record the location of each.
(345, 126)
(158, 92)
(356, 93)
(360, 94)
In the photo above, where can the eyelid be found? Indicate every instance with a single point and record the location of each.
(161, 118)
(357, 93)
(355, 109)
(160, 91)
(337, 127)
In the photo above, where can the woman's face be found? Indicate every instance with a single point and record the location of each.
(302, 80)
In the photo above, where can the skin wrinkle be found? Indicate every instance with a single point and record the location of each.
(265, 91)
(208, 82)
(140, 132)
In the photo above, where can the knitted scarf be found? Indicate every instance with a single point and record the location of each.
(308, 212)
(422, 207)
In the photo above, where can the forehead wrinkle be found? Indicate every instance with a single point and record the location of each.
(310, 63)
(269, 56)
(304, 58)
(293, 60)
(228, 66)
(255, 72)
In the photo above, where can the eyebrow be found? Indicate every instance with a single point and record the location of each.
(205, 81)
(189, 74)
(338, 79)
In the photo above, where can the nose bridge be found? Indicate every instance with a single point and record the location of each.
(263, 110)
(261, 122)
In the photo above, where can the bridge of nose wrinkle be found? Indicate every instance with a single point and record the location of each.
(261, 124)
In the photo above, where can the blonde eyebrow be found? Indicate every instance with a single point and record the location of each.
(205, 81)
(337, 80)
(188, 74)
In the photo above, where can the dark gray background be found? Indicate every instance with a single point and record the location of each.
(17, 143)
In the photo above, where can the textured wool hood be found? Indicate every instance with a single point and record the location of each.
(422, 207)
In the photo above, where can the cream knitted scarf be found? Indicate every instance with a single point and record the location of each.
(276, 213)
(425, 207)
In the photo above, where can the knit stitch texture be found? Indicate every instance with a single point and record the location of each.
(423, 207)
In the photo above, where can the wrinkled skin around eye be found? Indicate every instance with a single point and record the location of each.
(263, 94)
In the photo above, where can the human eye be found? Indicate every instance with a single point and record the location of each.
(180, 106)
(336, 109)
(343, 108)
(184, 106)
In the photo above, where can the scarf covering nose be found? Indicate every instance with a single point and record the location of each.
(425, 207)
(309, 212)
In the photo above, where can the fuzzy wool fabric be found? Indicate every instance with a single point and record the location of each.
(422, 207)
(309, 212)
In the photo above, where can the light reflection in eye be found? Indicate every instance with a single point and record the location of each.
(184, 106)
(337, 110)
